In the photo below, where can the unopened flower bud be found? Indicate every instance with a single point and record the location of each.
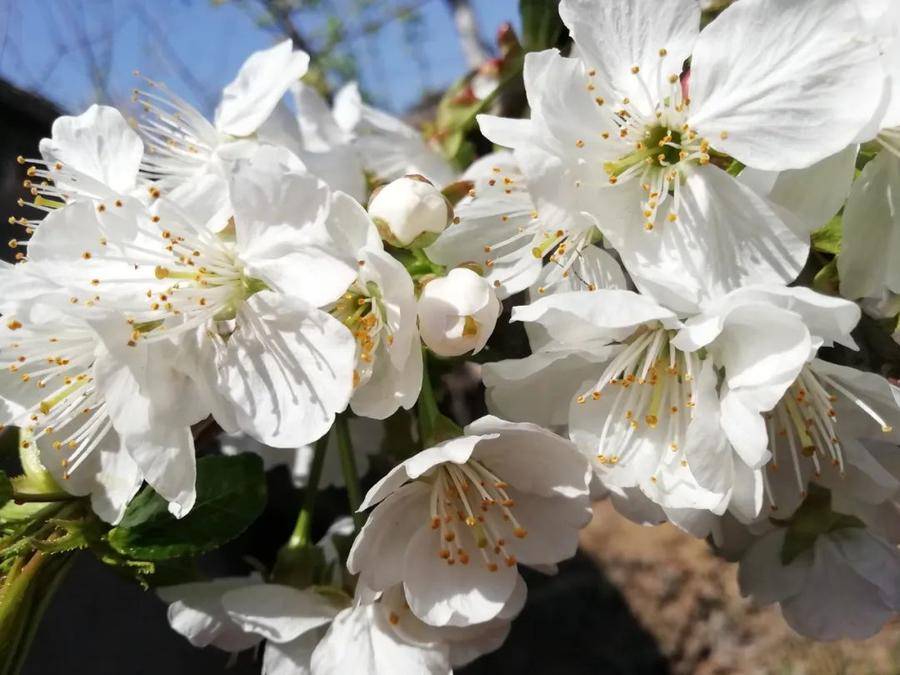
(410, 210)
(457, 313)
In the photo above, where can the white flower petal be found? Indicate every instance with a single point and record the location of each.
(261, 82)
(390, 387)
(362, 640)
(780, 100)
(745, 428)
(762, 576)
(455, 595)
(552, 524)
(506, 132)
(871, 241)
(456, 450)
(196, 612)
(725, 237)
(619, 35)
(109, 475)
(538, 388)
(291, 658)
(98, 144)
(156, 436)
(578, 316)
(531, 459)
(278, 613)
(379, 548)
(288, 370)
(854, 607)
(281, 228)
(747, 495)
(812, 195)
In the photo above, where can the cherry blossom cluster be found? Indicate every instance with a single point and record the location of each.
(650, 224)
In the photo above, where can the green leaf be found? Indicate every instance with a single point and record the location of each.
(541, 25)
(6, 489)
(827, 238)
(231, 493)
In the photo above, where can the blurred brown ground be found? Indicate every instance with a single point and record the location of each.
(688, 601)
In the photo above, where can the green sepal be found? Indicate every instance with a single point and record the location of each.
(300, 566)
(867, 152)
(735, 168)
(827, 279)
(36, 479)
(812, 519)
(72, 534)
(231, 493)
(827, 239)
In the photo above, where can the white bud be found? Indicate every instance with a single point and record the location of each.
(407, 208)
(457, 313)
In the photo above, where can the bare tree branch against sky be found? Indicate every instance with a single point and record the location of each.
(197, 45)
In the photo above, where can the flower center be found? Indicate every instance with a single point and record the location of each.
(803, 429)
(470, 505)
(209, 281)
(649, 140)
(362, 310)
(646, 389)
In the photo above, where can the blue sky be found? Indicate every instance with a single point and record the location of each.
(39, 47)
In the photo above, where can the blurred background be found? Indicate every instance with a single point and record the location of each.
(634, 601)
(78, 52)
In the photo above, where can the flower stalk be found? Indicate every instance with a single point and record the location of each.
(434, 426)
(349, 470)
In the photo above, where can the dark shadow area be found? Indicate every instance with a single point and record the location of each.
(575, 623)
(24, 120)
(101, 624)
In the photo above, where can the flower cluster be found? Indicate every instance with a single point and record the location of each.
(652, 223)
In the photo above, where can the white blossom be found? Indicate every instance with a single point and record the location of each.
(453, 522)
(306, 631)
(847, 585)
(102, 418)
(183, 147)
(244, 300)
(686, 229)
(380, 309)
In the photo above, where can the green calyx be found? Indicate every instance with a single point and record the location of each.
(811, 520)
(249, 286)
